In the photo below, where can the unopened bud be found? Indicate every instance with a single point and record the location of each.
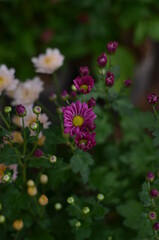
(37, 110)
(86, 210)
(43, 200)
(43, 178)
(100, 197)
(2, 219)
(70, 200)
(7, 109)
(58, 206)
(30, 183)
(32, 191)
(33, 126)
(53, 159)
(18, 224)
(78, 224)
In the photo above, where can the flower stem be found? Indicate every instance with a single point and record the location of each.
(25, 143)
(4, 120)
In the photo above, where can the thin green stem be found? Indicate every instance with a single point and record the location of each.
(155, 112)
(4, 120)
(25, 143)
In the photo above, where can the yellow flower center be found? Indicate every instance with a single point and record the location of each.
(84, 87)
(48, 60)
(78, 121)
(83, 141)
(1, 80)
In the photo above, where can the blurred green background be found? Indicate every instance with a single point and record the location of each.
(80, 29)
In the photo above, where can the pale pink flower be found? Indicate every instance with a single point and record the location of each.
(48, 62)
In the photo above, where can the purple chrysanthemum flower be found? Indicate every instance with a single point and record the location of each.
(111, 47)
(152, 98)
(77, 117)
(152, 215)
(154, 193)
(102, 60)
(85, 140)
(64, 95)
(84, 71)
(109, 80)
(91, 103)
(156, 226)
(150, 176)
(20, 110)
(84, 84)
(127, 83)
(38, 153)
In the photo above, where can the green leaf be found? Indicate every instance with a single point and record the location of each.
(80, 163)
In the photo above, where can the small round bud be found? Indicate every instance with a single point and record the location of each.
(7, 109)
(6, 177)
(2, 219)
(109, 80)
(91, 103)
(38, 153)
(58, 206)
(33, 126)
(154, 193)
(127, 83)
(111, 47)
(156, 226)
(86, 210)
(150, 176)
(20, 110)
(64, 95)
(102, 60)
(53, 97)
(152, 98)
(59, 110)
(18, 224)
(73, 88)
(37, 110)
(53, 159)
(43, 200)
(84, 71)
(100, 197)
(32, 191)
(70, 200)
(30, 183)
(77, 224)
(43, 178)
(152, 215)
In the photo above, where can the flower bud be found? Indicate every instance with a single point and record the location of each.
(20, 110)
(64, 95)
(84, 71)
(91, 103)
(152, 98)
(86, 210)
(111, 47)
(109, 80)
(127, 83)
(150, 176)
(30, 183)
(156, 226)
(32, 191)
(53, 159)
(73, 88)
(77, 224)
(18, 224)
(43, 200)
(43, 178)
(37, 110)
(102, 60)
(152, 215)
(33, 126)
(100, 197)
(154, 193)
(38, 153)
(6, 177)
(7, 109)
(70, 200)
(59, 110)
(102, 71)
(58, 206)
(2, 219)
(53, 97)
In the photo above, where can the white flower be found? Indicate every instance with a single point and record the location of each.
(7, 79)
(28, 92)
(48, 62)
(31, 117)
